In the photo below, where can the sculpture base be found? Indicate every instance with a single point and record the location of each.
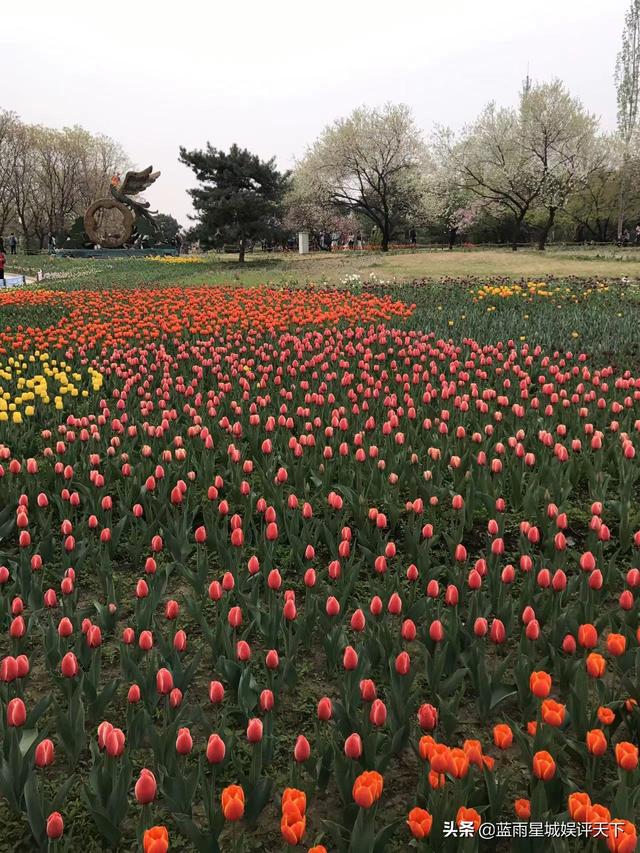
(153, 251)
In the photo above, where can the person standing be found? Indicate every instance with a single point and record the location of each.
(3, 258)
(178, 242)
(13, 243)
(413, 236)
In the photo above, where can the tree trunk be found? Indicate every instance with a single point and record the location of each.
(453, 233)
(544, 234)
(516, 232)
(386, 236)
(241, 251)
(622, 199)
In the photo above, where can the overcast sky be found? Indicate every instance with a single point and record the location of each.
(270, 75)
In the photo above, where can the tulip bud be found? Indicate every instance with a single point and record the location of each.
(325, 709)
(436, 631)
(146, 787)
(353, 746)
(302, 749)
(497, 633)
(216, 692)
(403, 663)
(254, 730)
(55, 826)
(266, 700)
(378, 713)
(133, 696)
(184, 742)
(69, 665)
(427, 717)
(16, 713)
(350, 658)
(44, 753)
(216, 749)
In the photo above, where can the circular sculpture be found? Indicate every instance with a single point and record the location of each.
(109, 223)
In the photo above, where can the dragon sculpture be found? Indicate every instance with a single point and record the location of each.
(110, 221)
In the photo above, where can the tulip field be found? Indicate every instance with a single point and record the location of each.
(338, 569)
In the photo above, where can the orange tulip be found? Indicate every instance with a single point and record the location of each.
(587, 636)
(544, 767)
(419, 822)
(426, 747)
(616, 644)
(522, 808)
(596, 742)
(319, 848)
(232, 802)
(553, 712)
(437, 780)
(367, 789)
(470, 816)
(295, 797)
(622, 837)
(473, 749)
(540, 684)
(458, 763)
(292, 824)
(532, 728)
(488, 761)
(439, 758)
(597, 814)
(605, 715)
(579, 806)
(627, 755)
(156, 840)
(502, 736)
(596, 665)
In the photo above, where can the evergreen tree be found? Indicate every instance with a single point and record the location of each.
(239, 195)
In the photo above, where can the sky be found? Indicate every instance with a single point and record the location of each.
(271, 75)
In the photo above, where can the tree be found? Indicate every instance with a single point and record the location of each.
(49, 177)
(166, 228)
(240, 194)
(560, 136)
(627, 80)
(369, 164)
(451, 208)
(8, 151)
(491, 161)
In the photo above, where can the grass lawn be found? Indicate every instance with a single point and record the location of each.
(334, 268)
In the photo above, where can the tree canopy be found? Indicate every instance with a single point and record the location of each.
(370, 164)
(239, 196)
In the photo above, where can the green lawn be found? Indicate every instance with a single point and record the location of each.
(334, 268)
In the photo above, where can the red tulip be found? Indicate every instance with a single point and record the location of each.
(55, 826)
(16, 713)
(164, 681)
(69, 665)
(302, 750)
(325, 709)
(184, 741)
(146, 787)
(254, 730)
(45, 753)
(353, 746)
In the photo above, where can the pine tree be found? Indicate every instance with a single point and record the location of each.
(239, 195)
